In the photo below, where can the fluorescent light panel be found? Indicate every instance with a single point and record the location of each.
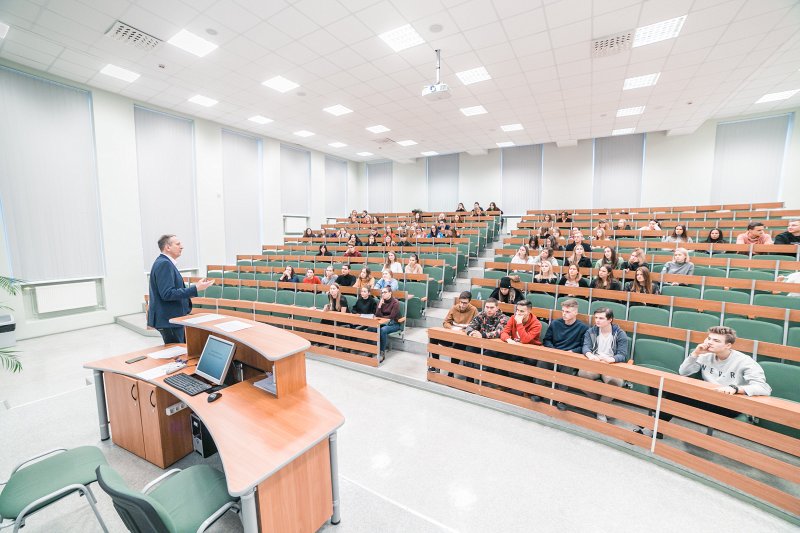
(774, 97)
(338, 110)
(364, 154)
(430, 153)
(512, 127)
(623, 131)
(337, 144)
(468, 77)
(304, 133)
(507, 144)
(204, 101)
(379, 128)
(119, 73)
(189, 42)
(280, 84)
(4, 30)
(660, 31)
(640, 81)
(630, 111)
(401, 38)
(474, 110)
(259, 119)
(407, 142)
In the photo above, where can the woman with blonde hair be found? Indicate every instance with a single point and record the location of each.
(392, 263)
(578, 258)
(365, 279)
(546, 274)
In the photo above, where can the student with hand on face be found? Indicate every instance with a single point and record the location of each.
(289, 275)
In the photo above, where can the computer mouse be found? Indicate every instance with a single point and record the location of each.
(213, 396)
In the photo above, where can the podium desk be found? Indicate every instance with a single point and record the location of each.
(279, 452)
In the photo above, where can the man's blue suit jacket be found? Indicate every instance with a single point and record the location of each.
(169, 296)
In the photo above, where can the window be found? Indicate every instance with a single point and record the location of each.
(618, 169)
(165, 159)
(748, 160)
(379, 187)
(521, 178)
(335, 187)
(48, 179)
(241, 177)
(442, 171)
(295, 181)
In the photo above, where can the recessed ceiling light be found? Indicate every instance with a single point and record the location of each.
(474, 75)
(401, 38)
(378, 128)
(506, 144)
(337, 144)
(188, 41)
(512, 127)
(280, 84)
(303, 133)
(774, 97)
(338, 110)
(364, 154)
(3, 30)
(258, 119)
(407, 142)
(630, 111)
(204, 101)
(640, 81)
(474, 110)
(119, 73)
(660, 31)
(430, 153)
(623, 131)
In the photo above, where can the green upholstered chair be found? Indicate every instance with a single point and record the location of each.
(783, 379)
(649, 315)
(182, 500)
(35, 484)
(619, 310)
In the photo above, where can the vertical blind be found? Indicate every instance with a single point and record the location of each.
(295, 181)
(379, 187)
(618, 170)
(48, 179)
(165, 159)
(521, 178)
(335, 187)
(442, 182)
(241, 180)
(748, 160)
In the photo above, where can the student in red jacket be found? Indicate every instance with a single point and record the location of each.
(522, 328)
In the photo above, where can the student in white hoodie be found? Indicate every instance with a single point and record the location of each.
(719, 363)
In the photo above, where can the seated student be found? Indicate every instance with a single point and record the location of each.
(607, 343)
(545, 256)
(308, 233)
(402, 239)
(419, 233)
(622, 225)
(351, 251)
(330, 277)
(563, 218)
(505, 293)
(403, 226)
(546, 274)
(366, 218)
(374, 232)
(557, 239)
(458, 318)
(609, 258)
(354, 240)
(567, 334)
(791, 235)
(715, 236)
(372, 241)
(311, 278)
(603, 225)
(493, 207)
(417, 217)
(289, 275)
(680, 264)
(522, 257)
(635, 260)
(535, 242)
(365, 279)
(755, 234)
(577, 241)
(386, 281)
(458, 219)
(441, 222)
(652, 225)
(605, 280)
(642, 283)
(477, 210)
(323, 250)
(548, 219)
(336, 301)
(452, 233)
(388, 307)
(718, 363)
(342, 234)
(791, 278)
(388, 240)
(461, 208)
(434, 233)
(523, 327)
(413, 266)
(599, 234)
(392, 263)
(346, 279)
(578, 258)
(354, 218)
(678, 235)
(573, 278)
(365, 304)
(489, 323)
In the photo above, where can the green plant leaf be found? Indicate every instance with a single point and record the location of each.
(9, 361)
(10, 285)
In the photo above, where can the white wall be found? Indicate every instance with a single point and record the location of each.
(410, 186)
(479, 179)
(567, 176)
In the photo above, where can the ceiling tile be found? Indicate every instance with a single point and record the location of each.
(567, 12)
(473, 14)
(293, 23)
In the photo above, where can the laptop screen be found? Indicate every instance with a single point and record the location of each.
(215, 359)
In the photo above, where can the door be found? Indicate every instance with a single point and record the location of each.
(122, 399)
(166, 438)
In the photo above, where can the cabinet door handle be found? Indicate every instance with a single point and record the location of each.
(135, 399)
(151, 398)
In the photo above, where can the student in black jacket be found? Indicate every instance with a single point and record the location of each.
(346, 279)
(605, 280)
(507, 294)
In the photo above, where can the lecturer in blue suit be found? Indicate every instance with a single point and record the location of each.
(169, 296)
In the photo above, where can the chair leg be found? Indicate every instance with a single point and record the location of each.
(92, 503)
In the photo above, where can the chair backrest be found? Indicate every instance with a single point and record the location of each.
(304, 299)
(720, 295)
(544, 301)
(266, 295)
(756, 330)
(649, 315)
(248, 293)
(751, 274)
(583, 305)
(694, 321)
(230, 293)
(777, 300)
(658, 353)
(794, 337)
(783, 378)
(139, 512)
(619, 310)
(680, 291)
(214, 291)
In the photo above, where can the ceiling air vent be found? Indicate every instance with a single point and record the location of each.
(129, 35)
(612, 44)
(385, 140)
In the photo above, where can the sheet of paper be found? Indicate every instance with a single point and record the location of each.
(156, 372)
(203, 318)
(233, 325)
(168, 353)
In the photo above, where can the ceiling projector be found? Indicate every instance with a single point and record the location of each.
(438, 90)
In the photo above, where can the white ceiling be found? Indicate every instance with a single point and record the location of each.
(728, 55)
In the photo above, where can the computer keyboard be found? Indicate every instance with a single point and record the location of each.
(186, 383)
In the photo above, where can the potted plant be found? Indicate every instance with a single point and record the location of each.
(8, 356)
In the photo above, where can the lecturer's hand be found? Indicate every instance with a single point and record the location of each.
(204, 283)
